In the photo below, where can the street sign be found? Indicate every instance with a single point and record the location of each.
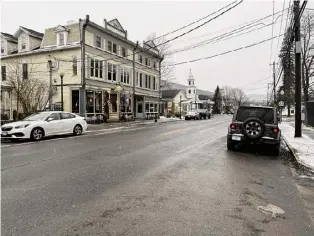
(281, 104)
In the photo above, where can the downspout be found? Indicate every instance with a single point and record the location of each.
(83, 78)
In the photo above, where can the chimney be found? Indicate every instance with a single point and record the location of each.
(105, 23)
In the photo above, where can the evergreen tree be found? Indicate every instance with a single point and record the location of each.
(217, 101)
(287, 61)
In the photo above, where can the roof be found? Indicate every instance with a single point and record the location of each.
(9, 37)
(170, 93)
(33, 32)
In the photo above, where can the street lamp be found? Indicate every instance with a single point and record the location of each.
(61, 77)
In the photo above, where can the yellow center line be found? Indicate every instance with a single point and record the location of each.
(174, 131)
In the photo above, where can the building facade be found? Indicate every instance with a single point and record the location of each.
(108, 69)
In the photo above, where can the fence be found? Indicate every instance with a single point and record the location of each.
(309, 113)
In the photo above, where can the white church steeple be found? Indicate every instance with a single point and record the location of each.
(191, 88)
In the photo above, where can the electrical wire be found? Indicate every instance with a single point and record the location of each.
(272, 33)
(227, 52)
(183, 27)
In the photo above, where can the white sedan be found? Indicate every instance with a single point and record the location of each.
(44, 124)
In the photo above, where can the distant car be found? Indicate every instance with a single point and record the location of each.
(255, 125)
(44, 124)
(192, 115)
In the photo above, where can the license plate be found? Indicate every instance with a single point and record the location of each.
(4, 133)
(236, 138)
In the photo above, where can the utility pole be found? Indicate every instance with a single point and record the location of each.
(82, 90)
(50, 84)
(134, 81)
(274, 82)
(297, 35)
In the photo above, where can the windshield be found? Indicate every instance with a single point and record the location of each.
(37, 116)
(264, 114)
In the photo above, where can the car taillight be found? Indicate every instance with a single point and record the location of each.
(233, 126)
(275, 130)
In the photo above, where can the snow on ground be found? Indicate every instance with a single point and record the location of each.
(302, 147)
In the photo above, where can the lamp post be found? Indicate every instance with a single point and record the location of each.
(61, 77)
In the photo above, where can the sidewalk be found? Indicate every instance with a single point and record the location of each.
(121, 125)
(303, 148)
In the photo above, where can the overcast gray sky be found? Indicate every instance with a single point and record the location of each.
(238, 69)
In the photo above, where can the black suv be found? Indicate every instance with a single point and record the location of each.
(255, 125)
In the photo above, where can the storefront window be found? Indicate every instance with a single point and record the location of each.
(113, 100)
(75, 101)
(155, 107)
(98, 102)
(89, 101)
(147, 107)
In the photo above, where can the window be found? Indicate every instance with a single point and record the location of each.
(154, 83)
(264, 114)
(141, 80)
(23, 43)
(2, 48)
(55, 116)
(189, 82)
(96, 68)
(98, 41)
(114, 48)
(98, 101)
(154, 65)
(146, 81)
(25, 71)
(139, 107)
(137, 79)
(65, 115)
(113, 101)
(109, 46)
(123, 52)
(189, 91)
(61, 39)
(89, 101)
(74, 65)
(149, 82)
(146, 61)
(140, 58)
(3, 73)
(112, 72)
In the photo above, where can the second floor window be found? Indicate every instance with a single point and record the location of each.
(74, 65)
(154, 83)
(25, 71)
(123, 52)
(112, 72)
(137, 78)
(125, 76)
(96, 68)
(146, 61)
(2, 48)
(3, 73)
(140, 58)
(149, 82)
(23, 43)
(141, 80)
(98, 41)
(146, 81)
(154, 65)
(114, 48)
(109, 46)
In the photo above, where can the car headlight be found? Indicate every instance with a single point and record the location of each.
(21, 126)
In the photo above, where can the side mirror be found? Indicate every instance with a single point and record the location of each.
(50, 119)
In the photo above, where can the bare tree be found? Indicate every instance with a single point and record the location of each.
(167, 71)
(239, 97)
(31, 91)
(307, 52)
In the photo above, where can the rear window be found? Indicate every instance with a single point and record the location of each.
(264, 114)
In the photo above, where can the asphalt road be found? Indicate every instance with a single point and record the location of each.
(169, 179)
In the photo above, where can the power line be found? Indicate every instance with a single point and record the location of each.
(223, 37)
(272, 33)
(230, 51)
(183, 27)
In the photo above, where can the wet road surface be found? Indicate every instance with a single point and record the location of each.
(170, 179)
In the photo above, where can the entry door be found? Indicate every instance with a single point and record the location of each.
(139, 109)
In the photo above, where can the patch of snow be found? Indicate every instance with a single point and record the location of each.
(302, 147)
(272, 210)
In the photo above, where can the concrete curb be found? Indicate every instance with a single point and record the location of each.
(300, 162)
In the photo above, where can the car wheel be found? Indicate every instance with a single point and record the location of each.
(77, 130)
(253, 128)
(37, 134)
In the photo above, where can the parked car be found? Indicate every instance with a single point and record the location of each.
(42, 124)
(192, 115)
(204, 113)
(255, 125)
